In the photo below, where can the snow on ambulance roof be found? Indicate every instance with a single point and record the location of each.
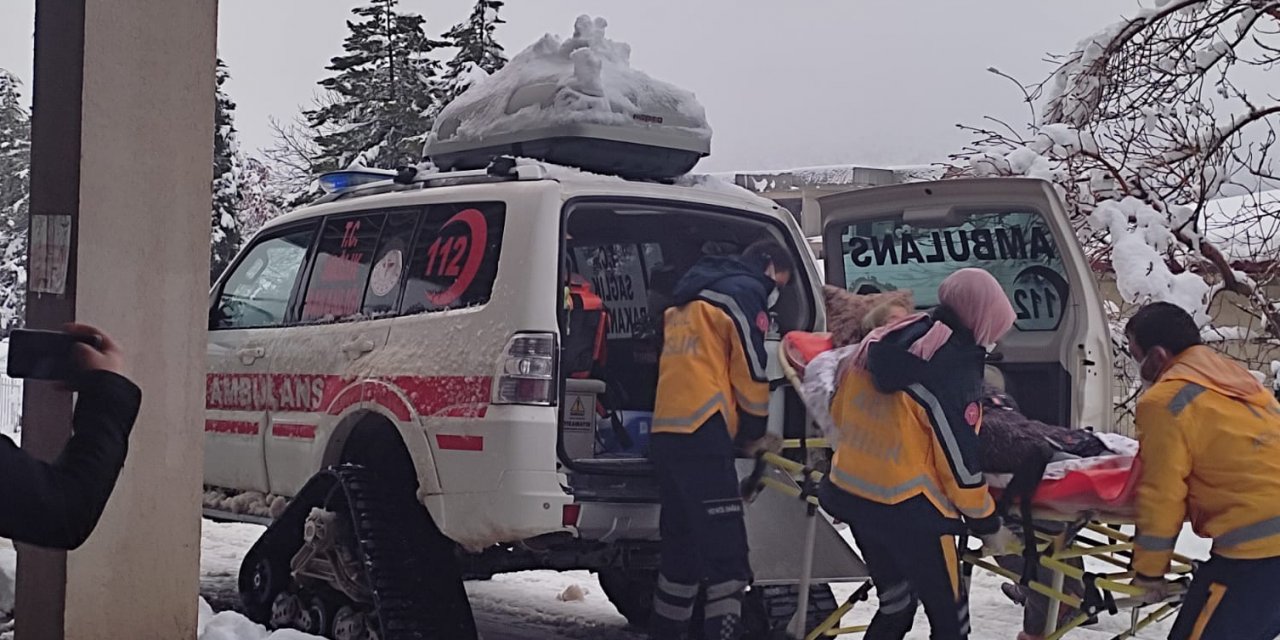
(576, 102)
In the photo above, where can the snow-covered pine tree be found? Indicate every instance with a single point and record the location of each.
(224, 226)
(479, 53)
(384, 91)
(15, 173)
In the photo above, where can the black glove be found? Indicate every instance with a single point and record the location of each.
(984, 526)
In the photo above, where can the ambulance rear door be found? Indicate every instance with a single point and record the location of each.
(1057, 360)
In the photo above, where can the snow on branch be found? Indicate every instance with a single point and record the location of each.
(1141, 128)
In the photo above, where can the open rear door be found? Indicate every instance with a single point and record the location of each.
(1057, 360)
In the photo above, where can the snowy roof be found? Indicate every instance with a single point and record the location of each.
(1245, 227)
(762, 180)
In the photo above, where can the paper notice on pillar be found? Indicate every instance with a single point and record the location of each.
(50, 253)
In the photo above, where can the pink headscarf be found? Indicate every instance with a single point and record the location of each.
(978, 301)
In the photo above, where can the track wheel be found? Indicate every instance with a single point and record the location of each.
(350, 624)
(317, 617)
(285, 610)
(262, 584)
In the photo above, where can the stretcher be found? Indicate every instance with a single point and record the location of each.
(1078, 521)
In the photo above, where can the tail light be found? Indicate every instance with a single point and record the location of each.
(527, 373)
(569, 514)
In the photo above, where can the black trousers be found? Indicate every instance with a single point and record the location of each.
(704, 537)
(910, 551)
(1231, 600)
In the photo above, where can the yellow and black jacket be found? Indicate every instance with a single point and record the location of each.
(908, 427)
(713, 355)
(1210, 450)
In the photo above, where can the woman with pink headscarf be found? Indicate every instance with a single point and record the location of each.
(905, 475)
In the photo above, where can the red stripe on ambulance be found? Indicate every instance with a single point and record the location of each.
(295, 431)
(444, 396)
(234, 427)
(460, 443)
(453, 396)
(376, 392)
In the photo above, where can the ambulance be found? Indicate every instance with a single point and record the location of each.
(399, 347)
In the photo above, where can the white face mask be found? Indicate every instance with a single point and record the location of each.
(1142, 380)
(773, 298)
(1142, 365)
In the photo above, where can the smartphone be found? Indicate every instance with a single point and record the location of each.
(44, 355)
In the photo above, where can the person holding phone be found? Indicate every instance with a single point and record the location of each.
(57, 504)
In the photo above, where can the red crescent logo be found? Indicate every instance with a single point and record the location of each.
(972, 414)
(477, 230)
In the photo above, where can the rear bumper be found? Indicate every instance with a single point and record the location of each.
(614, 521)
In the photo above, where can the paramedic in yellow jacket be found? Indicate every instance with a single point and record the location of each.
(906, 471)
(711, 402)
(1210, 451)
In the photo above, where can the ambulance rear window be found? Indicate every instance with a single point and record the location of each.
(1017, 247)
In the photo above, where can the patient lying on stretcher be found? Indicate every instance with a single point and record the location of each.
(1092, 469)
(1010, 438)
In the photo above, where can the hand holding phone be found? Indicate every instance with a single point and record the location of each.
(59, 355)
(95, 350)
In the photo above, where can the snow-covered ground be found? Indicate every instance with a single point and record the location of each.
(543, 605)
(529, 605)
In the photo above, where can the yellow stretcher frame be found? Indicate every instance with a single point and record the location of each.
(1087, 535)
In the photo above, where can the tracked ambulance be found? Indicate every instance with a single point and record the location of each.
(395, 383)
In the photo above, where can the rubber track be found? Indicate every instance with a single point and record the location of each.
(417, 585)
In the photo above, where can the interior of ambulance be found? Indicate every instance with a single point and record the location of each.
(633, 253)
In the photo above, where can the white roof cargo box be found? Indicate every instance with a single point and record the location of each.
(577, 103)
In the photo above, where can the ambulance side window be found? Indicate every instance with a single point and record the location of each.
(257, 292)
(340, 269)
(453, 260)
(387, 276)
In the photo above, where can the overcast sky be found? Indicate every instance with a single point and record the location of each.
(785, 83)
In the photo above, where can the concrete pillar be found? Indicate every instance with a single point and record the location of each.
(122, 139)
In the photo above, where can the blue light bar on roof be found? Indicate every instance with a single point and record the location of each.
(336, 181)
